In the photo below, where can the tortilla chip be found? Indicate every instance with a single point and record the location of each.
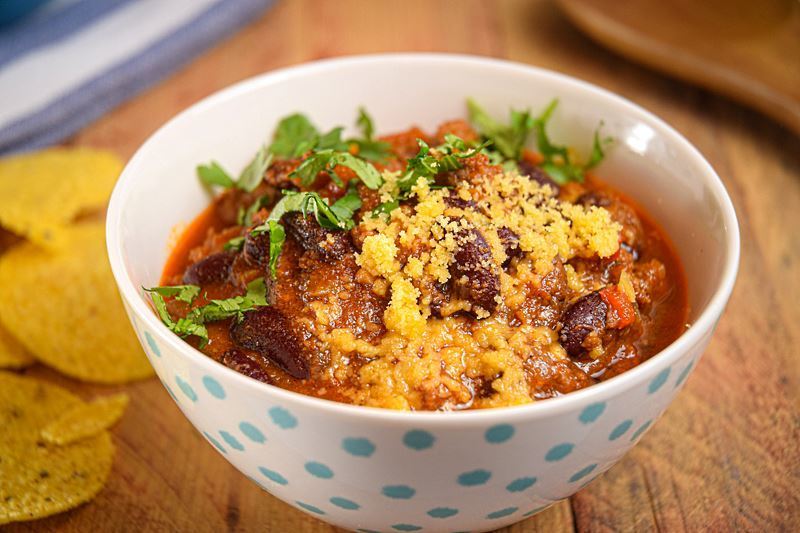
(12, 353)
(40, 479)
(63, 306)
(42, 192)
(86, 420)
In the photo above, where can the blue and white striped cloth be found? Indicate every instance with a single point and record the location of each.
(73, 60)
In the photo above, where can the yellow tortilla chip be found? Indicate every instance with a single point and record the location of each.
(86, 420)
(12, 353)
(63, 306)
(39, 479)
(42, 192)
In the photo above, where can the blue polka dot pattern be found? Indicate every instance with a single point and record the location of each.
(518, 485)
(592, 413)
(310, 508)
(231, 440)
(213, 387)
(499, 433)
(417, 439)
(344, 503)
(273, 476)
(474, 477)
(582, 473)
(620, 430)
(252, 432)
(641, 430)
(534, 511)
(151, 342)
(398, 492)
(406, 527)
(658, 381)
(559, 451)
(215, 442)
(358, 447)
(319, 470)
(442, 512)
(282, 418)
(186, 388)
(684, 374)
(502, 513)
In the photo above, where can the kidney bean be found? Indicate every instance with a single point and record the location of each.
(331, 245)
(586, 315)
(473, 272)
(245, 364)
(214, 268)
(510, 242)
(269, 333)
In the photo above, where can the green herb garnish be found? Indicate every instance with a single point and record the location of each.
(194, 322)
(237, 243)
(558, 162)
(248, 180)
(508, 139)
(327, 160)
(427, 165)
(338, 216)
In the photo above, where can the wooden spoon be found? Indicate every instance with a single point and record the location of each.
(748, 50)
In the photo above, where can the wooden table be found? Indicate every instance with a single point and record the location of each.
(724, 456)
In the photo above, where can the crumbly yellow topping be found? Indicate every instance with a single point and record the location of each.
(413, 247)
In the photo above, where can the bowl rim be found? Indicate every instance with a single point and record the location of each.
(705, 322)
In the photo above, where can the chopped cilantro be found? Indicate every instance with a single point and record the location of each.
(194, 322)
(294, 136)
(426, 165)
(248, 180)
(338, 216)
(214, 174)
(237, 243)
(183, 293)
(507, 139)
(327, 160)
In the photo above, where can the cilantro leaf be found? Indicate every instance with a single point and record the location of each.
(364, 121)
(509, 139)
(346, 206)
(248, 180)
(214, 174)
(183, 293)
(327, 160)
(253, 173)
(193, 324)
(237, 243)
(338, 216)
(293, 136)
(558, 161)
(277, 235)
(426, 165)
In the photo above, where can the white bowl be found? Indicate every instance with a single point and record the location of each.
(372, 469)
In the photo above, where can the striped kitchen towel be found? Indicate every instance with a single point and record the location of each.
(73, 60)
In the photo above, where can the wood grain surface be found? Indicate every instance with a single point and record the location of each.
(747, 50)
(725, 456)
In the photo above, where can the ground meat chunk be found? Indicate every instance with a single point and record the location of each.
(587, 315)
(214, 268)
(473, 272)
(459, 127)
(269, 333)
(331, 245)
